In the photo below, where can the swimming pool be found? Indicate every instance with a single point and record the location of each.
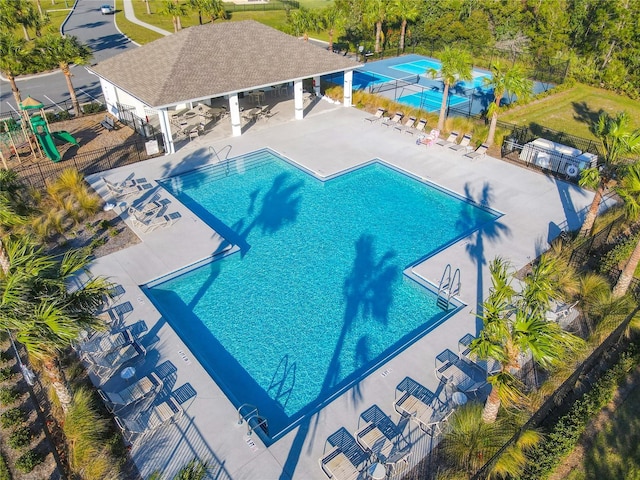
(316, 298)
(429, 100)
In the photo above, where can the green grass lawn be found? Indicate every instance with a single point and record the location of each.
(615, 452)
(573, 110)
(135, 32)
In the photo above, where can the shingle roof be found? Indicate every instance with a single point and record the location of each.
(216, 59)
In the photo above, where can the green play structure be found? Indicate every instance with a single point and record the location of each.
(40, 128)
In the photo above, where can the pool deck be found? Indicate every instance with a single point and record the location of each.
(535, 208)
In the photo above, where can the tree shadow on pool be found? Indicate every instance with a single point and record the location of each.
(368, 295)
(489, 231)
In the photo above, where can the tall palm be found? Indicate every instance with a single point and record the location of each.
(618, 140)
(175, 10)
(214, 9)
(332, 18)
(18, 12)
(302, 21)
(469, 443)
(376, 12)
(456, 65)
(629, 191)
(38, 307)
(514, 324)
(13, 60)
(64, 51)
(406, 11)
(512, 80)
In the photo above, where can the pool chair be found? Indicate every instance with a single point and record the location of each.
(377, 116)
(395, 120)
(149, 421)
(373, 440)
(145, 210)
(466, 377)
(406, 125)
(101, 344)
(104, 365)
(490, 365)
(479, 152)
(450, 140)
(463, 146)
(126, 188)
(150, 223)
(346, 459)
(428, 412)
(419, 128)
(143, 389)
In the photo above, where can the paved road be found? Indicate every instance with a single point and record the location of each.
(96, 30)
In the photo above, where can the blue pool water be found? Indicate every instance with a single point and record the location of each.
(316, 298)
(429, 100)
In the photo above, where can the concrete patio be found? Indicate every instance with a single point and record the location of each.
(329, 140)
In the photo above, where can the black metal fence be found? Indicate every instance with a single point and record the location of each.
(126, 114)
(36, 174)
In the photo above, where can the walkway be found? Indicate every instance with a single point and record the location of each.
(131, 16)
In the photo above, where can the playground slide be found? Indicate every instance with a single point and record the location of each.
(49, 148)
(64, 137)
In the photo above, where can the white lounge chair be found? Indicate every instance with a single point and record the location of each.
(144, 388)
(430, 417)
(393, 120)
(464, 376)
(126, 188)
(377, 116)
(450, 140)
(419, 128)
(104, 365)
(463, 145)
(102, 344)
(150, 223)
(407, 125)
(149, 421)
(336, 465)
(481, 151)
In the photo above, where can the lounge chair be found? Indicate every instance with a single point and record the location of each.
(144, 388)
(559, 310)
(481, 151)
(126, 188)
(407, 125)
(463, 145)
(104, 365)
(149, 421)
(466, 377)
(450, 140)
(429, 416)
(143, 211)
(490, 365)
(337, 465)
(377, 116)
(395, 120)
(150, 223)
(419, 128)
(103, 344)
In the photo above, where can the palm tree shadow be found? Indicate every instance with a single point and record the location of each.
(367, 291)
(584, 114)
(489, 231)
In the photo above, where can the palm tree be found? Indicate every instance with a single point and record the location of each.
(514, 324)
(175, 10)
(13, 60)
(18, 12)
(618, 140)
(332, 18)
(213, 9)
(64, 51)
(376, 12)
(502, 80)
(37, 306)
(469, 443)
(629, 191)
(302, 21)
(456, 65)
(406, 11)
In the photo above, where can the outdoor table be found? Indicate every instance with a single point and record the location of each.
(377, 471)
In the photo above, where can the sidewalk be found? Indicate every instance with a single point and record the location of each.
(131, 16)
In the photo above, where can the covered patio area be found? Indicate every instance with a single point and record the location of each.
(204, 78)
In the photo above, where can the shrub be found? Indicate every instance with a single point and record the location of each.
(93, 107)
(20, 438)
(6, 373)
(12, 417)
(28, 461)
(5, 474)
(8, 395)
(4, 357)
(619, 255)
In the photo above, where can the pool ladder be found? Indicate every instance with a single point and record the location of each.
(449, 286)
(249, 413)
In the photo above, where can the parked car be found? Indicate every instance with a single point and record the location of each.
(106, 9)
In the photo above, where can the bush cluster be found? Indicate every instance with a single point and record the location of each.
(8, 395)
(5, 474)
(20, 438)
(565, 434)
(93, 107)
(619, 255)
(6, 374)
(12, 417)
(28, 461)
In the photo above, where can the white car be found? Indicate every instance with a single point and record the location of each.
(106, 9)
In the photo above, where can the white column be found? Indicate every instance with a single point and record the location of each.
(234, 109)
(165, 126)
(316, 83)
(348, 87)
(298, 100)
